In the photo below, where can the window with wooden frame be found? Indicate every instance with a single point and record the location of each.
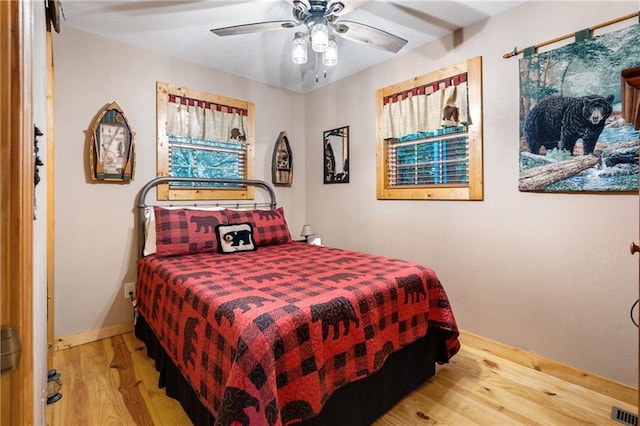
(203, 135)
(429, 132)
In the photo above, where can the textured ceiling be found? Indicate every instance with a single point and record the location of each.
(181, 29)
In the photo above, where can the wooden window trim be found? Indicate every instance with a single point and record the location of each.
(165, 192)
(471, 191)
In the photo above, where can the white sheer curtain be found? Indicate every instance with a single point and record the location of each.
(413, 113)
(204, 121)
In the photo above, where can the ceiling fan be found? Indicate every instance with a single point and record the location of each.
(320, 13)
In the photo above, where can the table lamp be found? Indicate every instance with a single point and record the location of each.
(306, 232)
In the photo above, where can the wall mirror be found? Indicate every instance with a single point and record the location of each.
(336, 155)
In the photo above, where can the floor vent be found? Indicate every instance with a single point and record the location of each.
(623, 416)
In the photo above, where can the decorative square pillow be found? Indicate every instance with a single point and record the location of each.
(269, 226)
(237, 237)
(185, 231)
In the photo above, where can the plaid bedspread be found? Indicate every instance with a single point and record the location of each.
(265, 337)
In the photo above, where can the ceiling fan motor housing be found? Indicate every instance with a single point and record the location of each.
(303, 11)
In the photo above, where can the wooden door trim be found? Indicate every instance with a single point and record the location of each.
(16, 200)
(50, 200)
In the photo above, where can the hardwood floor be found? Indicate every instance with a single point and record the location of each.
(113, 382)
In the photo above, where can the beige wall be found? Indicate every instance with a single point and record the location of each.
(548, 273)
(95, 245)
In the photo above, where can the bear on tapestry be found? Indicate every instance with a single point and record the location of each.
(558, 122)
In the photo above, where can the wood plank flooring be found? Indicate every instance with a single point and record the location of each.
(113, 382)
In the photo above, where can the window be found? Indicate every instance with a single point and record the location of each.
(430, 136)
(203, 135)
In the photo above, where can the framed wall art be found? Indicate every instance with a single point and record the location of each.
(336, 155)
(112, 147)
(282, 162)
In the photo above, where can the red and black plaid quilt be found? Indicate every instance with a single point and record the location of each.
(265, 337)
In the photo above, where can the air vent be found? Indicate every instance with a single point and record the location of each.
(624, 417)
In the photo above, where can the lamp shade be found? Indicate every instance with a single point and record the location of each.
(330, 57)
(299, 49)
(306, 231)
(319, 36)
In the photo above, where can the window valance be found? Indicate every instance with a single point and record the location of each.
(202, 120)
(426, 109)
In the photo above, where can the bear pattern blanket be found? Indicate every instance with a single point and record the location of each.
(265, 337)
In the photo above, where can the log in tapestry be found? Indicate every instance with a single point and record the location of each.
(577, 129)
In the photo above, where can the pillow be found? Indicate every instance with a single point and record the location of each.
(150, 227)
(149, 232)
(269, 226)
(233, 238)
(185, 231)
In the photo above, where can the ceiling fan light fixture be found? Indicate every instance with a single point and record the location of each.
(299, 49)
(330, 57)
(319, 36)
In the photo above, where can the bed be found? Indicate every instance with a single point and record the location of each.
(247, 326)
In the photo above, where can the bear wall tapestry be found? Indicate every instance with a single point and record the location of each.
(575, 134)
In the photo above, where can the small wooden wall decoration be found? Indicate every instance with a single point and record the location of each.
(282, 162)
(112, 148)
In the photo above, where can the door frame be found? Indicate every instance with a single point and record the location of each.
(16, 203)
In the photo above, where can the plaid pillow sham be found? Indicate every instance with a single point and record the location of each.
(269, 226)
(150, 226)
(185, 231)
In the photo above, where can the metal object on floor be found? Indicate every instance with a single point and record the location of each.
(54, 383)
(624, 416)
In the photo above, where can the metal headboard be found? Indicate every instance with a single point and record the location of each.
(142, 195)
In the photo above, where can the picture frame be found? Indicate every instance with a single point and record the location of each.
(282, 162)
(112, 146)
(336, 155)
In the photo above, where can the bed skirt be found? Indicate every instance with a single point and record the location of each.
(357, 403)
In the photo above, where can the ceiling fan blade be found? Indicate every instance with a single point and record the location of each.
(425, 18)
(372, 36)
(254, 28)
